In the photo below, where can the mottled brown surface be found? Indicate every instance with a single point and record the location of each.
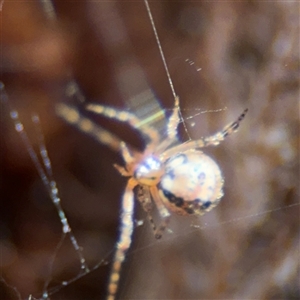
(248, 52)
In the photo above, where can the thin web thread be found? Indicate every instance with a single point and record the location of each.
(160, 48)
(45, 175)
(196, 227)
(162, 55)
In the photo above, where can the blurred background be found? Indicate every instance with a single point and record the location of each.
(224, 56)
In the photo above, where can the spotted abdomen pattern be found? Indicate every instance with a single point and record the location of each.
(192, 183)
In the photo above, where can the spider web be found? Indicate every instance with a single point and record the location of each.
(185, 229)
(243, 230)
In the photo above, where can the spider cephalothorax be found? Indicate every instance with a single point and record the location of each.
(149, 171)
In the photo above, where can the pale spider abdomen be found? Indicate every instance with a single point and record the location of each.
(192, 183)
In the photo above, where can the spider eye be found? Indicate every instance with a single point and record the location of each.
(149, 171)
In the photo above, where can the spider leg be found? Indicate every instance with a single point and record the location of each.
(144, 197)
(212, 140)
(129, 118)
(122, 170)
(163, 211)
(125, 238)
(171, 128)
(174, 120)
(128, 158)
(71, 115)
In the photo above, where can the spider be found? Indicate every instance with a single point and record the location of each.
(179, 179)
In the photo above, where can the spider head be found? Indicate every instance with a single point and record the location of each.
(149, 171)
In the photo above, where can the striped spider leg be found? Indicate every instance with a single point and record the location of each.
(177, 179)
